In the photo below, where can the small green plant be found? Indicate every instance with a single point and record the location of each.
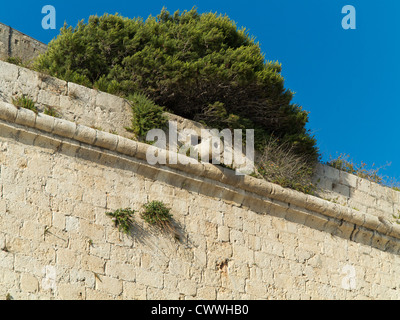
(123, 219)
(146, 115)
(396, 217)
(51, 111)
(9, 297)
(15, 60)
(24, 102)
(156, 213)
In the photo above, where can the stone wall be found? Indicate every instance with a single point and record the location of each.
(71, 101)
(16, 44)
(238, 237)
(357, 193)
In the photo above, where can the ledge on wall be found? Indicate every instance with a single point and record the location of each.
(310, 210)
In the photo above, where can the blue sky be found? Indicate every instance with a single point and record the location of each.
(347, 79)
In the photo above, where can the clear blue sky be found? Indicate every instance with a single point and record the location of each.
(347, 79)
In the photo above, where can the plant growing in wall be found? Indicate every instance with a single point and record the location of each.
(123, 219)
(146, 115)
(51, 111)
(156, 213)
(15, 60)
(24, 102)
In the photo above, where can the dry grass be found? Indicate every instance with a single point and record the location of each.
(279, 164)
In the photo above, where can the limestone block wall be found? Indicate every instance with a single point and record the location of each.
(16, 44)
(239, 237)
(357, 193)
(71, 101)
(74, 102)
(112, 114)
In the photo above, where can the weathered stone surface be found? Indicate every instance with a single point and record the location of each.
(16, 44)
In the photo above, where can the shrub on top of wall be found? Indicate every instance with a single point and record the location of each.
(146, 115)
(196, 65)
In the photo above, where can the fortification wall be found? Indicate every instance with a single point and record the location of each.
(239, 237)
(16, 44)
(109, 113)
(357, 193)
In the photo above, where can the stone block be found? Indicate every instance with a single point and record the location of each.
(223, 233)
(85, 134)
(123, 271)
(126, 146)
(106, 140)
(110, 285)
(341, 189)
(8, 112)
(44, 122)
(68, 291)
(348, 179)
(26, 117)
(331, 173)
(148, 278)
(64, 128)
(93, 263)
(29, 283)
(134, 291)
(9, 71)
(187, 287)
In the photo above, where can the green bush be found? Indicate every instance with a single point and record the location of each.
(51, 111)
(157, 213)
(24, 102)
(123, 219)
(195, 65)
(15, 60)
(146, 115)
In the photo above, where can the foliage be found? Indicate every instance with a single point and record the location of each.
(344, 163)
(24, 102)
(50, 111)
(196, 65)
(123, 219)
(146, 115)
(157, 213)
(280, 165)
(15, 60)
